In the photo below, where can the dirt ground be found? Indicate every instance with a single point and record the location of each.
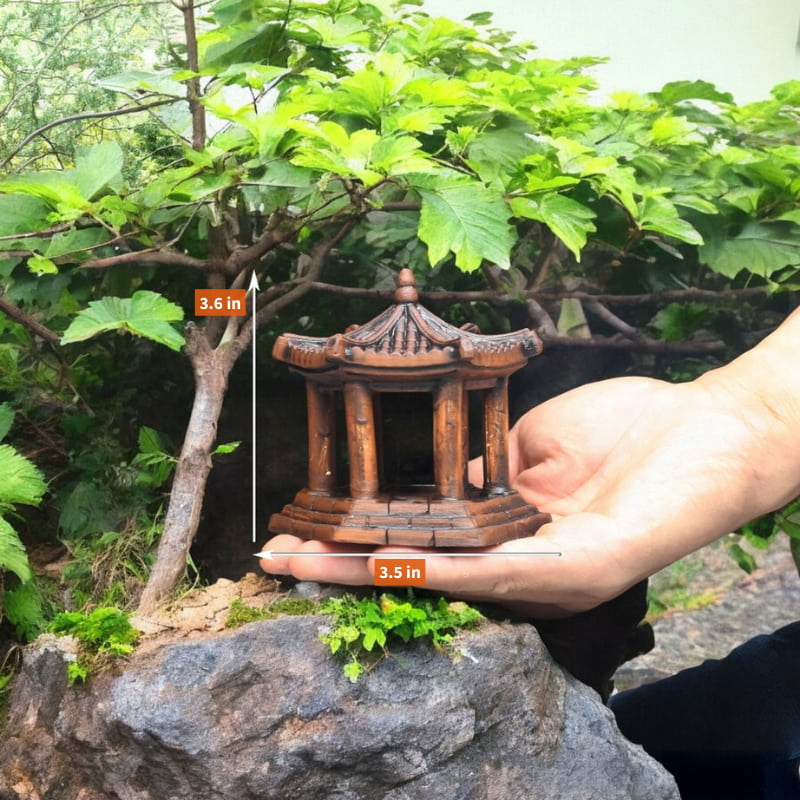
(723, 607)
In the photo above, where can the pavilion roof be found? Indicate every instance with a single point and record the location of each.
(407, 342)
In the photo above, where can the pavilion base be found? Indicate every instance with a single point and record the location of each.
(416, 518)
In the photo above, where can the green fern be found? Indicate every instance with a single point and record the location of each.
(21, 483)
(103, 635)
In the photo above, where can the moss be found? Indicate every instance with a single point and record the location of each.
(241, 614)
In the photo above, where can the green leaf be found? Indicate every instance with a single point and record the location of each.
(100, 166)
(373, 636)
(21, 213)
(58, 189)
(150, 440)
(146, 314)
(353, 671)
(6, 419)
(569, 220)
(465, 218)
(12, 552)
(76, 241)
(660, 215)
(791, 216)
(760, 248)
(224, 449)
(677, 91)
(498, 154)
(23, 608)
(135, 81)
(20, 480)
(678, 321)
(742, 558)
(39, 265)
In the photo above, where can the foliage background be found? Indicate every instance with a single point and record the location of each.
(319, 146)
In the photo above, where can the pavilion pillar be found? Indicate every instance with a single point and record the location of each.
(450, 439)
(321, 440)
(495, 430)
(361, 441)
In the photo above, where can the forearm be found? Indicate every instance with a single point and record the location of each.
(764, 385)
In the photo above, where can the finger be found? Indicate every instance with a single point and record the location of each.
(296, 557)
(327, 568)
(279, 564)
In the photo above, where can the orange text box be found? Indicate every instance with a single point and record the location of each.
(399, 572)
(220, 302)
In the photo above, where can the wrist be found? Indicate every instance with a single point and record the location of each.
(763, 391)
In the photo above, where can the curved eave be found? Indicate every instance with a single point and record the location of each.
(302, 352)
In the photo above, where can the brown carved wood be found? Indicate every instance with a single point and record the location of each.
(407, 349)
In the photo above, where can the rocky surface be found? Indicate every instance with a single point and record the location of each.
(264, 713)
(732, 608)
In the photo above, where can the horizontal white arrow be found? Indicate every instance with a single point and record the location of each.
(270, 554)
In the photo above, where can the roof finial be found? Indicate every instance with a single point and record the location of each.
(406, 291)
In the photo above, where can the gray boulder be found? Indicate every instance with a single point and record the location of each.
(264, 713)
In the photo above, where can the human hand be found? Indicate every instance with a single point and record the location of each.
(556, 452)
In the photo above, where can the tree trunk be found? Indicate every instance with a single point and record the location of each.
(211, 370)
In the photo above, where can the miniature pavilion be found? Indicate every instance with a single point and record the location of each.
(407, 349)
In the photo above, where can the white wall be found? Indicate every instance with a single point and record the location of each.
(743, 46)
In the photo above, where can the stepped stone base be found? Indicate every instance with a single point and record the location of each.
(415, 518)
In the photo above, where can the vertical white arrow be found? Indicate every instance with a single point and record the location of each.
(254, 288)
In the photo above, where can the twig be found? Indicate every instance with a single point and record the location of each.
(76, 117)
(317, 262)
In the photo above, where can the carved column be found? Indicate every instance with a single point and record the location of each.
(360, 419)
(495, 431)
(450, 437)
(321, 440)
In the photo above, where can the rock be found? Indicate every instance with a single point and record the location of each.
(264, 713)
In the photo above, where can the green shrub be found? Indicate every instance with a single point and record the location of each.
(103, 634)
(362, 623)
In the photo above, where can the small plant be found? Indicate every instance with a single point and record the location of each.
(362, 623)
(103, 634)
(9, 665)
(677, 588)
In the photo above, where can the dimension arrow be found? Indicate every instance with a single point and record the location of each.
(254, 288)
(270, 555)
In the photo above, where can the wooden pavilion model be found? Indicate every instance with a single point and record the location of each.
(407, 349)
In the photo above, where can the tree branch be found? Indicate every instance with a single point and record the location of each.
(611, 319)
(193, 90)
(163, 257)
(244, 256)
(540, 318)
(316, 263)
(666, 296)
(642, 345)
(500, 299)
(76, 117)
